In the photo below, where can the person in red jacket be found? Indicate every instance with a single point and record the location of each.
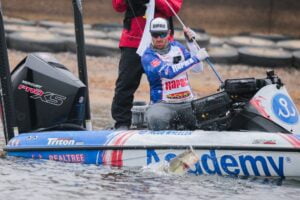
(130, 67)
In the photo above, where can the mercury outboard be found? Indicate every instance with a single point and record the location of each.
(42, 94)
(47, 95)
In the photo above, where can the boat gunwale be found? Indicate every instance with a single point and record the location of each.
(156, 147)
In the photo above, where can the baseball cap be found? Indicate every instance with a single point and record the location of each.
(159, 25)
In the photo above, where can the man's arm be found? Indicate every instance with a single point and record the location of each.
(193, 51)
(162, 6)
(154, 66)
(119, 5)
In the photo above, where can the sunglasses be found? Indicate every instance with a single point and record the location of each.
(159, 34)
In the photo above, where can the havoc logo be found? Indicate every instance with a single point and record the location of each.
(51, 98)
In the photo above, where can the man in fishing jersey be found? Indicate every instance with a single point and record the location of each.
(166, 64)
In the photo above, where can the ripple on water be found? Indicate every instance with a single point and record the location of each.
(43, 180)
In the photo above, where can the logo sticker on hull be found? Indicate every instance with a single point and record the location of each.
(284, 109)
(63, 142)
(227, 164)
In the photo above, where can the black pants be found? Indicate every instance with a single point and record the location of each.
(130, 73)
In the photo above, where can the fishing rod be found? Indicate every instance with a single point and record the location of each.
(81, 58)
(7, 103)
(195, 42)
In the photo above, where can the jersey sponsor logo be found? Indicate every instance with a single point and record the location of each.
(242, 164)
(155, 62)
(179, 95)
(176, 84)
(176, 59)
(284, 109)
(179, 66)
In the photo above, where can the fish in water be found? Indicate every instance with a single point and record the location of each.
(183, 162)
(2, 154)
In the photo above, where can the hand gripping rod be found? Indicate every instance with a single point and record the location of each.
(195, 42)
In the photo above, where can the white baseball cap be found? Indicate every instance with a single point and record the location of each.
(159, 25)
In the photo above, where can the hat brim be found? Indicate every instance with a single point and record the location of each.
(159, 31)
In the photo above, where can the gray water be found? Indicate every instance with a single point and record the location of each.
(45, 180)
(23, 179)
(35, 179)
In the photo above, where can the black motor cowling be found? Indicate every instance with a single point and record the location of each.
(46, 94)
(231, 109)
(212, 111)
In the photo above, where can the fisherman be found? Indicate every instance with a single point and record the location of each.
(166, 64)
(130, 68)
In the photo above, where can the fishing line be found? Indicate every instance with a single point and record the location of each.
(134, 158)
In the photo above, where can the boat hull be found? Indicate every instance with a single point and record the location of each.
(222, 153)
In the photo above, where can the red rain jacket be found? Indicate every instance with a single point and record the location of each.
(133, 37)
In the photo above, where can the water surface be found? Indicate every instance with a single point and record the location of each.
(23, 179)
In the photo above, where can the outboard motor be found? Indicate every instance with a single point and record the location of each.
(262, 105)
(46, 94)
(249, 104)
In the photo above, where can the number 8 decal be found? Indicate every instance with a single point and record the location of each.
(284, 109)
(290, 111)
